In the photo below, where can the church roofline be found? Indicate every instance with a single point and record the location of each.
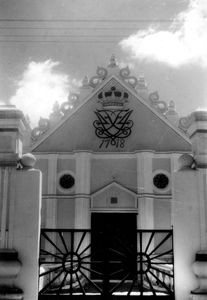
(94, 92)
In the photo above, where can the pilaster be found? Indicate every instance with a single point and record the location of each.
(186, 227)
(26, 200)
(198, 136)
(174, 168)
(51, 203)
(13, 128)
(202, 202)
(145, 190)
(4, 180)
(82, 188)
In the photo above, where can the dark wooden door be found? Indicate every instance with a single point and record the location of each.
(114, 244)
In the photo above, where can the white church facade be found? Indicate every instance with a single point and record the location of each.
(115, 205)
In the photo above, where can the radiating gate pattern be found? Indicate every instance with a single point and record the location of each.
(69, 268)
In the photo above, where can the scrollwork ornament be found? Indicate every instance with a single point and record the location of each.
(65, 107)
(159, 105)
(124, 74)
(185, 122)
(68, 105)
(154, 97)
(101, 74)
(73, 97)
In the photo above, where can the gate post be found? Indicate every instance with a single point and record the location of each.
(24, 227)
(190, 215)
(198, 135)
(186, 228)
(20, 201)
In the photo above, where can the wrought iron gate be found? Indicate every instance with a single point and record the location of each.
(68, 268)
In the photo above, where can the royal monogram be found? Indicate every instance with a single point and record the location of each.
(113, 126)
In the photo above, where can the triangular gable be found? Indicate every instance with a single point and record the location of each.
(151, 130)
(111, 185)
(112, 197)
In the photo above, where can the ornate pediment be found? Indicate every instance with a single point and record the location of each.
(111, 112)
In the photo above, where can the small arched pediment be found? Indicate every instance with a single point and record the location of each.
(113, 197)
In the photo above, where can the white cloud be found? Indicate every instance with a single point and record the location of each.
(185, 41)
(39, 88)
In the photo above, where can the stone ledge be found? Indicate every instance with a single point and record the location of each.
(10, 265)
(10, 293)
(201, 256)
(8, 254)
(199, 292)
(200, 115)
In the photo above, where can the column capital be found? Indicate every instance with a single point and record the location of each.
(198, 136)
(145, 154)
(13, 128)
(83, 172)
(83, 154)
(82, 188)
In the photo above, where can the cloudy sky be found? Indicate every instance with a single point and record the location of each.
(48, 46)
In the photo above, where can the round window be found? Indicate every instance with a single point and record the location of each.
(67, 181)
(160, 181)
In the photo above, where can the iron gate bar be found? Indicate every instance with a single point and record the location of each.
(149, 242)
(153, 291)
(89, 297)
(63, 241)
(161, 282)
(167, 252)
(46, 252)
(81, 240)
(66, 265)
(49, 240)
(160, 244)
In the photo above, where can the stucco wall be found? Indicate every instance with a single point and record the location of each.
(104, 171)
(161, 163)
(162, 213)
(65, 213)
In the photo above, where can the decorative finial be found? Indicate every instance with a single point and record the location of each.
(141, 83)
(185, 161)
(27, 118)
(56, 114)
(56, 107)
(85, 82)
(27, 161)
(171, 114)
(171, 106)
(113, 62)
